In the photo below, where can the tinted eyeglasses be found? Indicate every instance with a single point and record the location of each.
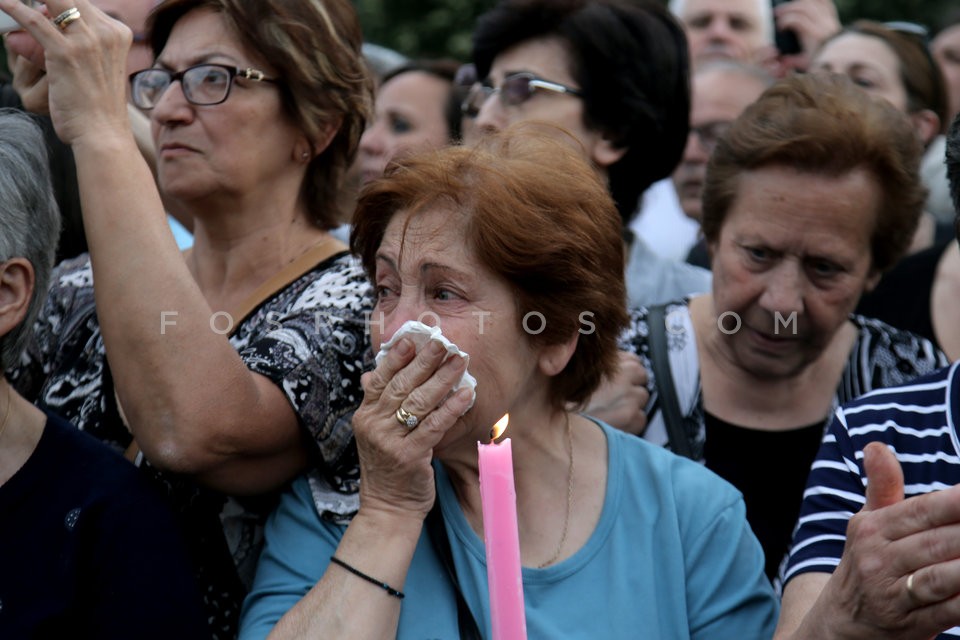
(203, 84)
(516, 89)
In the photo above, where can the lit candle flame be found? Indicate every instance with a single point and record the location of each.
(499, 427)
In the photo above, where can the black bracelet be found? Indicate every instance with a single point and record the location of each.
(360, 574)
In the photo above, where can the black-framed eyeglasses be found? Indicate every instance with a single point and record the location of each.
(710, 134)
(203, 84)
(516, 89)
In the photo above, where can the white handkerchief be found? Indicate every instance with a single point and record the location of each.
(421, 334)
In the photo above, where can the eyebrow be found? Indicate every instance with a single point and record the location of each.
(213, 57)
(426, 267)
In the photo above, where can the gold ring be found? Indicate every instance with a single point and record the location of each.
(406, 418)
(910, 592)
(64, 19)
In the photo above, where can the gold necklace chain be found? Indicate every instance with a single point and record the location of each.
(6, 412)
(566, 517)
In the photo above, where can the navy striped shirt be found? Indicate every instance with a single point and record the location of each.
(917, 421)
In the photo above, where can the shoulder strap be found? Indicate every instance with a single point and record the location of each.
(310, 258)
(438, 536)
(660, 361)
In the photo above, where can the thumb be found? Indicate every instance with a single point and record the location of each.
(884, 477)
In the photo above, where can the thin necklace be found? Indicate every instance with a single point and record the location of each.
(6, 412)
(566, 517)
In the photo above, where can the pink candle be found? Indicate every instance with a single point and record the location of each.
(501, 537)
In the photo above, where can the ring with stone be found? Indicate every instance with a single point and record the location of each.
(64, 19)
(406, 418)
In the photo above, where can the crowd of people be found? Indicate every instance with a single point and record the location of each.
(709, 272)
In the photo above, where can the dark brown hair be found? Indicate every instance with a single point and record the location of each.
(823, 124)
(538, 216)
(630, 60)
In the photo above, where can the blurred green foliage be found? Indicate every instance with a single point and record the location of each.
(436, 28)
(433, 28)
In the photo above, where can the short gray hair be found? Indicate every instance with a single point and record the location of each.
(29, 216)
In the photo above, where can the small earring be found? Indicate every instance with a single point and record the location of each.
(304, 155)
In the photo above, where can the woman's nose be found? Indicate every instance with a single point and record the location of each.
(784, 291)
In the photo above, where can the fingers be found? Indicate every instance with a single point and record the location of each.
(621, 400)
(20, 44)
(409, 379)
(33, 20)
(417, 383)
(812, 20)
(397, 358)
(923, 522)
(436, 424)
(934, 584)
(427, 395)
(884, 477)
(631, 368)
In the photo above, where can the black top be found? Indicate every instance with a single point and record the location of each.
(88, 549)
(903, 296)
(698, 255)
(770, 469)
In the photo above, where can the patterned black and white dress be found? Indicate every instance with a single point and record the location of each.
(310, 339)
(881, 357)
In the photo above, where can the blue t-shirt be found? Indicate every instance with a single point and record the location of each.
(672, 556)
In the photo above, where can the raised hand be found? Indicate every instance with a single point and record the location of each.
(899, 576)
(85, 60)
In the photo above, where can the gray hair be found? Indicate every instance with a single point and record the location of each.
(764, 11)
(29, 216)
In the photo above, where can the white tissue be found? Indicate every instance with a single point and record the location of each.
(420, 334)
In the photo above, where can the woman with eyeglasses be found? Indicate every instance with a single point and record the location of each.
(235, 365)
(613, 73)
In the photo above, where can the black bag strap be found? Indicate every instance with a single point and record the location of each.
(660, 361)
(441, 543)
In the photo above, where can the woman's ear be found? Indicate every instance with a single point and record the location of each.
(553, 358)
(306, 150)
(604, 153)
(16, 288)
(927, 124)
